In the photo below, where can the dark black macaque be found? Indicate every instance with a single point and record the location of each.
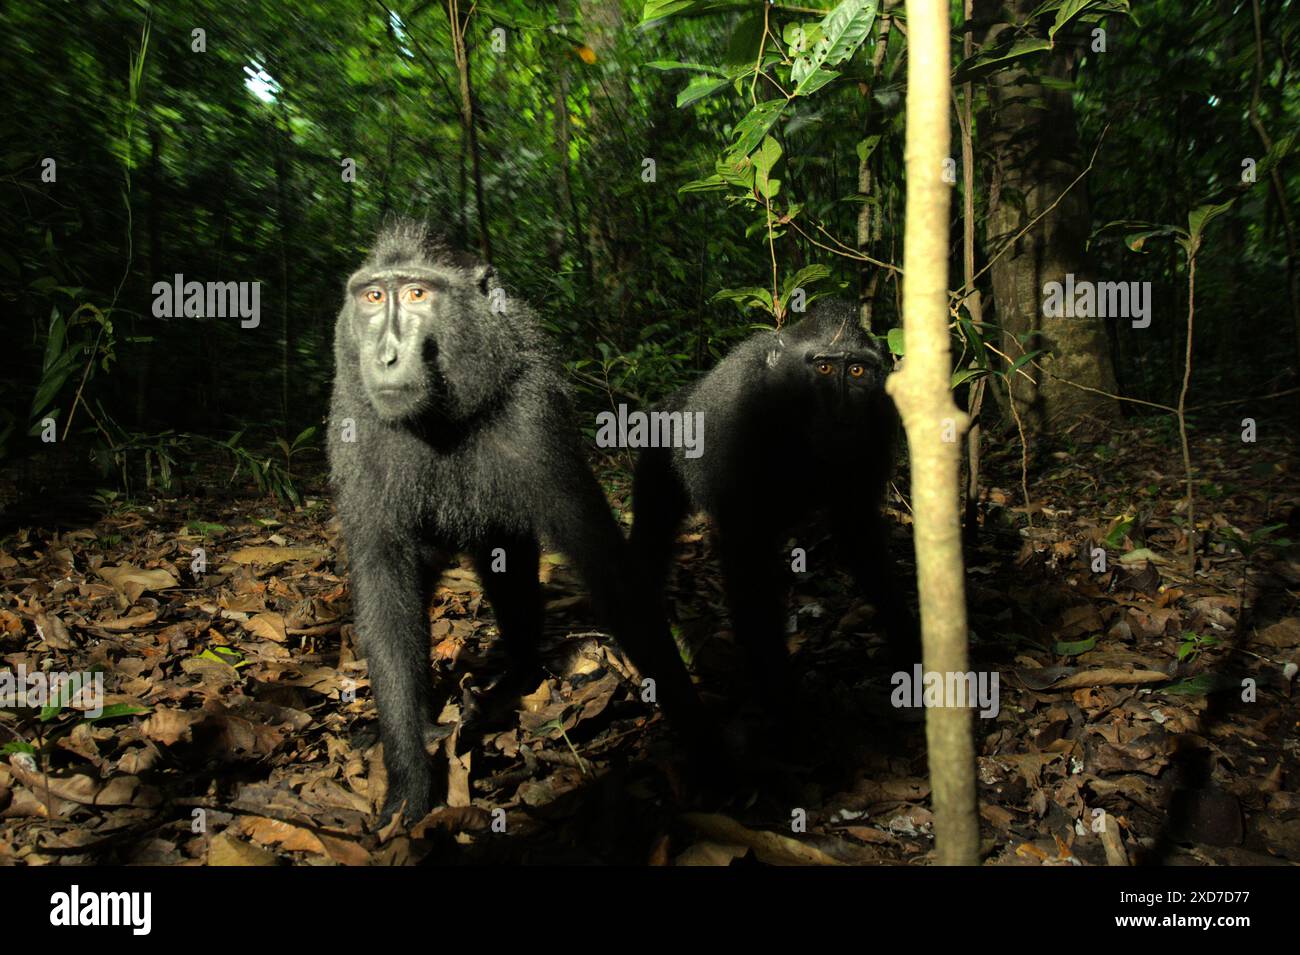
(450, 432)
(796, 423)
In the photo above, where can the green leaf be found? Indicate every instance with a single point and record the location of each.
(1139, 231)
(118, 710)
(1056, 83)
(737, 172)
(227, 655)
(1135, 240)
(1265, 532)
(1067, 11)
(817, 81)
(1282, 148)
(714, 183)
(764, 159)
(748, 297)
(667, 66)
(867, 146)
(54, 341)
(67, 691)
(698, 88)
(804, 277)
(990, 61)
(973, 336)
(52, 382)
(1025, 359)
(751, 130)
(963, 375)
(843, 30)
(793, 33)
(894, 338)
(1072, 648)
(1117, 533)
(657, 10)
(1201, 216)
(1197, 686)
(206, 529)
(767, 156)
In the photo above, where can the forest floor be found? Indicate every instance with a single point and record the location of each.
(1145, 714)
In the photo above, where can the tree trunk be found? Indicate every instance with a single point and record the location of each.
(871, 215)
(154, 187)
(934, 426)
(1035, 156)
(607, 163)
(1278, 188)
(285, 221)
(560, 124)
(461, 51)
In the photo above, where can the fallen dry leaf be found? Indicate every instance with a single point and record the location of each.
(127, 576)
(770, 847)
(226, 850)
(269, 556)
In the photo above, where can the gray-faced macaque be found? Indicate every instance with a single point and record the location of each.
(451, 432)
(797, 423)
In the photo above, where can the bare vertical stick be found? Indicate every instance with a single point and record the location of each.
(972, 301)
(935, 426)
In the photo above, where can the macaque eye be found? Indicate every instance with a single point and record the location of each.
(374, 295)
(857, 371)
(416, 293)
(825, 368)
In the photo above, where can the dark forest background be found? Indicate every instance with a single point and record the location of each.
(625, 170)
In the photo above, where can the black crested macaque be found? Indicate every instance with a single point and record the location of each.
(796, 422)
(450, 432)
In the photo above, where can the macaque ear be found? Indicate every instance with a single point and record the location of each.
(485, 278)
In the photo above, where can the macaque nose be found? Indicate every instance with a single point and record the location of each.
(388, 350)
